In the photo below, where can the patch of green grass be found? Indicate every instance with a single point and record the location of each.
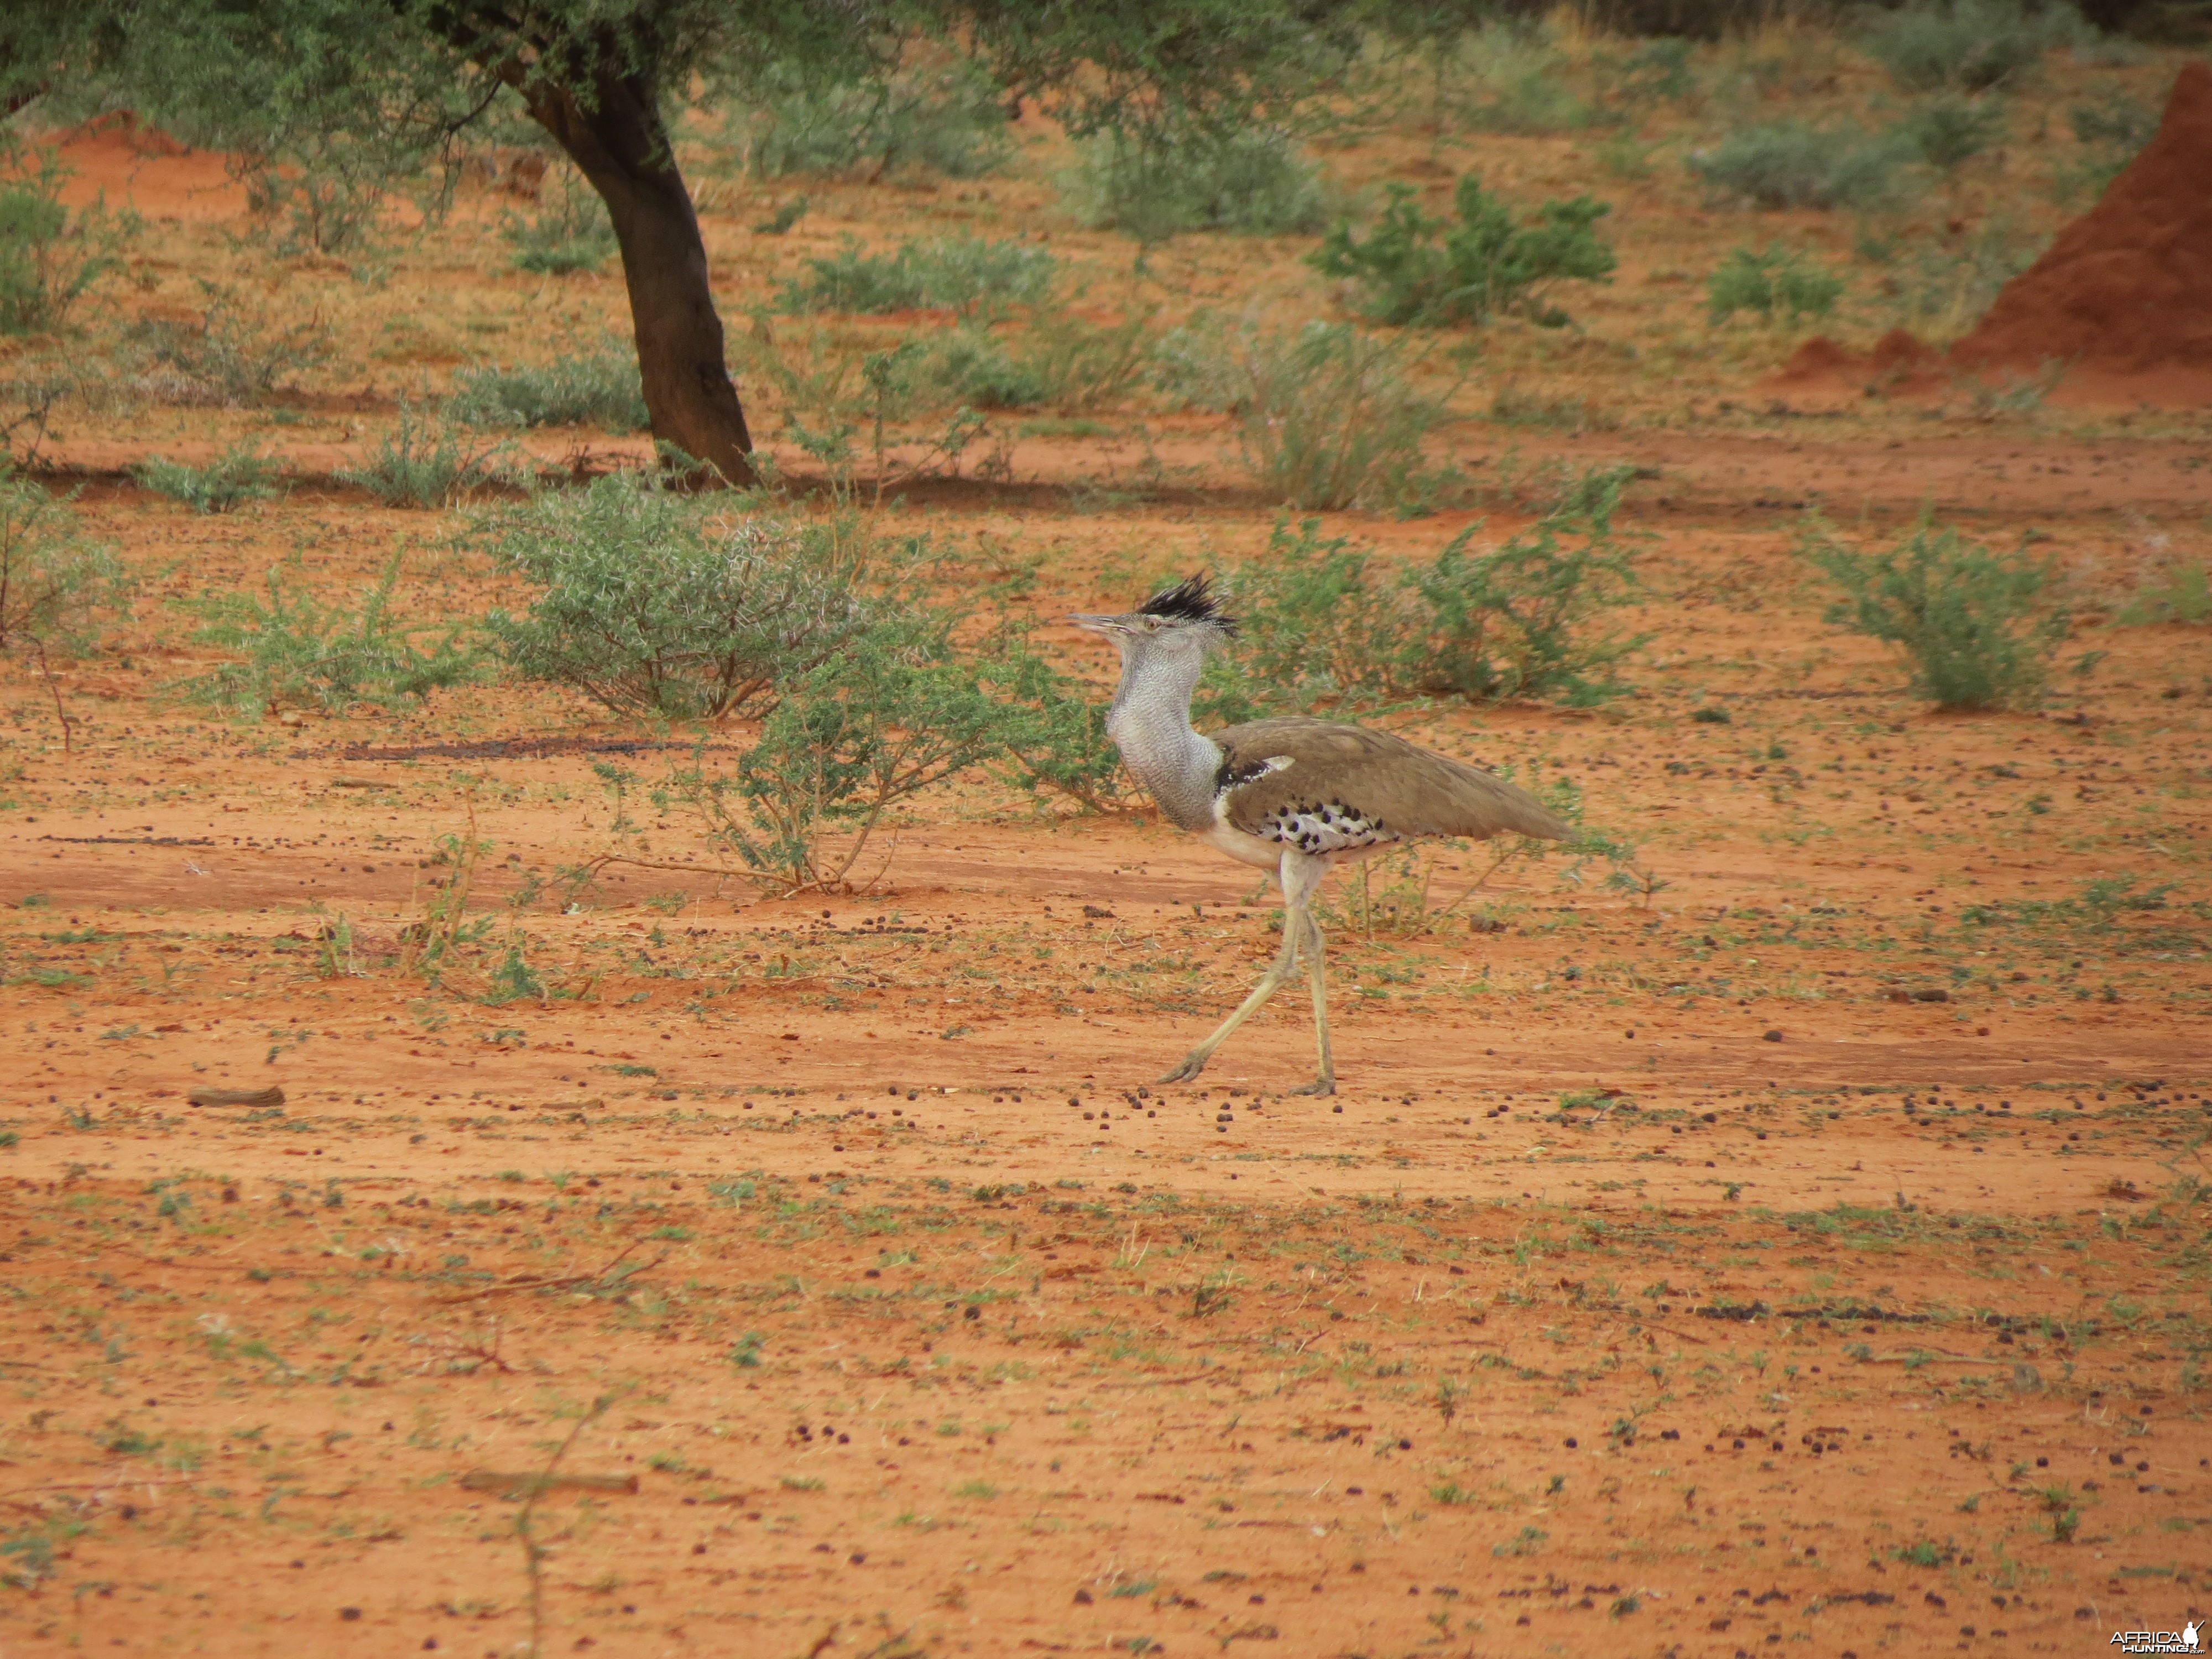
(967, 275)
(240, 475)
(423, 463)
(598, 388)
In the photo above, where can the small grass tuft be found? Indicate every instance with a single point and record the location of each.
(597, 388)
(240, 475)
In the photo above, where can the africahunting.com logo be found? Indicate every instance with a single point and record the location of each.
(2190, 1638)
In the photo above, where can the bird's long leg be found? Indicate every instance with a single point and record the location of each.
(1285, 965)
(1317, 967)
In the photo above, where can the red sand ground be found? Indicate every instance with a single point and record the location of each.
(1681, 1277)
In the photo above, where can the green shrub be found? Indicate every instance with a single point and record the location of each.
(422, 463)
(965, 275)
(569, 232)
(1972, 44)
(1321, 623)
(1776, 280)
(1326, 417)
(599, 388)
(1970, 622)
(1056, 735)
(976, 366)
(891, 713)
(2180, 593)
(1317, 624)
(1523, 622)
(297, 650)
(1792, 164)
(53, 578)
(1152, 185)
(653, 604)
(240, 475)
(236, 353)
(1487, 263)
(1951, 129)
(944, 119)
(50, 258)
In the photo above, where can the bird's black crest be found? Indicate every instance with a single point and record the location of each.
(1191, 600)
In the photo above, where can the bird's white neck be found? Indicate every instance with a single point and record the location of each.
(1149, 722)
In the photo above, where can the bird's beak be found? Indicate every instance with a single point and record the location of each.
(1097, 624)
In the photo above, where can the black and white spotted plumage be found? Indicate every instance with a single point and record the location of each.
(1321, 828)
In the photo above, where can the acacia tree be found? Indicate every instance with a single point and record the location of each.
(599, 76)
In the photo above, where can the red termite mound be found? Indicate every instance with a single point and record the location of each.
(2127, 287)
(2123, 296)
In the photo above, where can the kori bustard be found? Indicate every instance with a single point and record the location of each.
(1292, 795)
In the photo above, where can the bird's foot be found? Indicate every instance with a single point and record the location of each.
(1320, 1085)
(1192, 1066)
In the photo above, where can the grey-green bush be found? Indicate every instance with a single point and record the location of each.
(963, 274)
(236, 353)
(598, 388)
(651, 603)
(1326, 417)
(1152, 185)
(1973, 625)
(2110, 133)
(1793, 164)
(1951, 128)
(1059, 360)
(1519, 82)
(945, 118)
(1943, 286)
(1969, 44)
(294, 649)
(421, 462)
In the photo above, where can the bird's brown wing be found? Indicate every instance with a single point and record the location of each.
(1408, 790)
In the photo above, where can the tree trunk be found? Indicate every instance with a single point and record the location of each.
(621, 146)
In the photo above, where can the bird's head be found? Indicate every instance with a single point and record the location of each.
(1187, 617)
